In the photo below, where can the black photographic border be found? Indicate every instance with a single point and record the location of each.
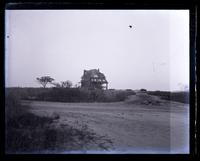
(103, 5)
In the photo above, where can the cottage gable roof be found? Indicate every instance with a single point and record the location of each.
(93, 73)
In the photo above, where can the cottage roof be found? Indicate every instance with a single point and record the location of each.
(92, 74)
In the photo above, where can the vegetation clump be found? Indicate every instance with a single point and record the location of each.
(29, 133)
(144, 99)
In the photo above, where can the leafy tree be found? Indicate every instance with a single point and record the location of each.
(143, 90)
(44, 80)
(66, 84)
(77, 85)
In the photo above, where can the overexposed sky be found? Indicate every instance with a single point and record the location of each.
(153, 54)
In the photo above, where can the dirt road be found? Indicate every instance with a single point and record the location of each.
(125, 128)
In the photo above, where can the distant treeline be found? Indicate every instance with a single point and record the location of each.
(70, 94)
(84, 95)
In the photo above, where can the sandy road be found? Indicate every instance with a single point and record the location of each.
(127, 128)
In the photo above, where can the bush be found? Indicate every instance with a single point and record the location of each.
(12, 105)
(123, 95)
(143, 90)
(24, 130)
(35, 134)
(71, 94)
(182, 97)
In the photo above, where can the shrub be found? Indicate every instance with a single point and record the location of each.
(28, 133)
(182, 97)
(71, 94)
(122, 95)
(12, 105)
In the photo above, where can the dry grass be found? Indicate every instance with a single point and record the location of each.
(144, 99)
(29, 133)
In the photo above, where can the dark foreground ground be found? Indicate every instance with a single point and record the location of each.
(120, 127)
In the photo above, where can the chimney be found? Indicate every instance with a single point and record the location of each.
(84, 71)
(98, 69)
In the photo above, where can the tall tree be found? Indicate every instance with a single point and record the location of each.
(44, 80)
(66, 84)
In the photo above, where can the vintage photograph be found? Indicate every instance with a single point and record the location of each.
(97, 81)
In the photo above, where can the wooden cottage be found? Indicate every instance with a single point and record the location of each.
(93, 79)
